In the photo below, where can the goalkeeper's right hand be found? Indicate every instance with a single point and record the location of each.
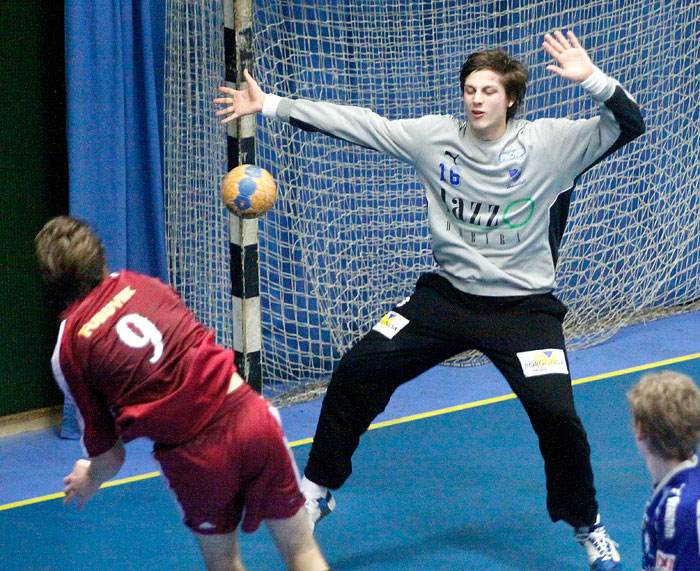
(240, 102)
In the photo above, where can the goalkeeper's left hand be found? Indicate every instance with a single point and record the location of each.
(573, 61)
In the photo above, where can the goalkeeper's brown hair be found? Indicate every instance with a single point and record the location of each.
(665, 408)
(514, 75)
(71, 258)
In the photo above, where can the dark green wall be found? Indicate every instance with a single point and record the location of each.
(33, 187)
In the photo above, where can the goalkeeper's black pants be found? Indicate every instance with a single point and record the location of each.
(443, 322)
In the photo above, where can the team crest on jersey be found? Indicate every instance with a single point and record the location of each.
(515, 179)
(543, 362)
(390, 324)
(664, 562)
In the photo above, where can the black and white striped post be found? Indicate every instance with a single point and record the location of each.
(245, 277)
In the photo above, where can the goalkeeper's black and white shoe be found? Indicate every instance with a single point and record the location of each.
(601, 550)
(319, 508)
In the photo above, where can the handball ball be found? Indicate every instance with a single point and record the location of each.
(248, 191)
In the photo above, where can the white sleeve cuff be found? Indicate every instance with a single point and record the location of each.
(270, 105)
(595, 83)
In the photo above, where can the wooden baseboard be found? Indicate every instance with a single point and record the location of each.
(30, 420)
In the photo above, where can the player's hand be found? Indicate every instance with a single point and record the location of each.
(79, 484)
(240, 102)
(573, 61)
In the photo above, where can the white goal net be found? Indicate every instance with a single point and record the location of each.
(348, 238)
(194, 158)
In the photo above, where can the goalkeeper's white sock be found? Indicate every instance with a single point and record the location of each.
(311, 490)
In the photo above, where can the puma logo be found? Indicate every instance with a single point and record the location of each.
(453, 157)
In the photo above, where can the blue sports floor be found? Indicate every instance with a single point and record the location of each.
(450, 477)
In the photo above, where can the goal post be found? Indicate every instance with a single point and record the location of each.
(348, 237)
(243, 233)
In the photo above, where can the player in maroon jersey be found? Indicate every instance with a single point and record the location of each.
(138, 364)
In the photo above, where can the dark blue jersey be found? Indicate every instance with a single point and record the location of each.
(672, 521)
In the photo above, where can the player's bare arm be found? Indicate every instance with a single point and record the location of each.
(240, 102)
(88, 475)
(572, 61)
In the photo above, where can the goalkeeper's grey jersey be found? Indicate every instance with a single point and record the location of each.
(496, 209)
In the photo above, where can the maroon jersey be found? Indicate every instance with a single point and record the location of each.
(138, 363)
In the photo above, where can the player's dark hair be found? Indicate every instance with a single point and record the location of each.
(514, 75)
(71, 258)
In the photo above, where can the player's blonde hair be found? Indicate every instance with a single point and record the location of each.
(71, 257)
(666, 407)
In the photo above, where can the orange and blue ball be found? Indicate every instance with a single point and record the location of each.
(248, 191)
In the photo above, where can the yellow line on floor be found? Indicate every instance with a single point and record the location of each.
(638, 369)
(423, 415)
(109, 484)
(402, 420)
